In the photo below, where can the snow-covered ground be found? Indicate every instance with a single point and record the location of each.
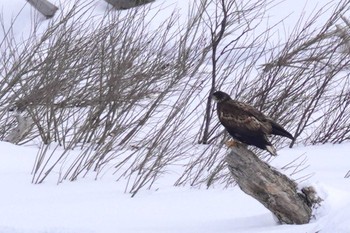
(102, 206)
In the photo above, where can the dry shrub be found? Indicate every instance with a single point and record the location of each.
(136, 99)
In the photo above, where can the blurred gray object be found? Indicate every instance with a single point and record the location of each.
(44, 7)
(126, 4)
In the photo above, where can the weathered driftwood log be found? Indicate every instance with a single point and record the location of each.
(271, 188)
(44, 7)
(126, 4)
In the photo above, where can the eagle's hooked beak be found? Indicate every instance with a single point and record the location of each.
(214, 98)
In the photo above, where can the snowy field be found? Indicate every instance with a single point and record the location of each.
(102, 206)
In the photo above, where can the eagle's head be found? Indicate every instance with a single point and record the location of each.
(220, 96)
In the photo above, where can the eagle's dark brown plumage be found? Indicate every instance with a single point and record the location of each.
(247, 124)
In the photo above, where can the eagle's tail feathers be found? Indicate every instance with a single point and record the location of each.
(279, 130)
(272, 150)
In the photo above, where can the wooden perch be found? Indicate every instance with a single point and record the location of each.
(44, 7)
(273, 189)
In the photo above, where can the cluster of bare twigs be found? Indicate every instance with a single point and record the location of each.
(304, 85)
(136, 99)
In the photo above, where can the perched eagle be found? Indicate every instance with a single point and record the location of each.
(247, 124)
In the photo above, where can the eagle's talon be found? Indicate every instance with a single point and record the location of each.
(230, 143)
(233, 143)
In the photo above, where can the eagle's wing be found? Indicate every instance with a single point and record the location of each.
(243, 118)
